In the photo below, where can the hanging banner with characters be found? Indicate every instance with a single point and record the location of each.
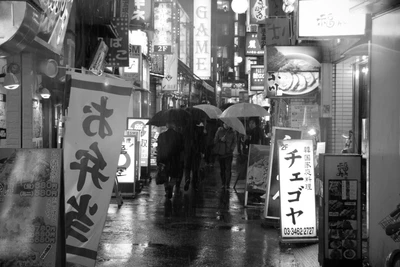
(94, 129)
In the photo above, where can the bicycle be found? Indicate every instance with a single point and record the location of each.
(391, 225)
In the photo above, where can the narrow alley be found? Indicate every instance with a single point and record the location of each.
(208, 227)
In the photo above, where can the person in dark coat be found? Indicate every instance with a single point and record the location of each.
(169, 148)
(195, 138)
(225, 141)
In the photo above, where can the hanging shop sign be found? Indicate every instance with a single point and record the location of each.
(297, 190)
(253, 47)
(184, 37)
(163, 37)
(261, 10)
(340, 242)
(258, 11)
(157, 64)
(133, 73)
(30, 182)
(54, 22)
(284, 82)
(96, 121)
(118, 52)
(272, 210)
(140, 14)
(257, 171)
(202, 39)
(275, 8)
(256, 78)
(170, 80)
(320, 19)
(140, 125)
(274, 31)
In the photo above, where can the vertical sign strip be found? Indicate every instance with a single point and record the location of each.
(97, 116)
(163, 37)
(297, 190)
(202, 38)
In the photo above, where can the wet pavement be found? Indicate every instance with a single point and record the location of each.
(208, 227)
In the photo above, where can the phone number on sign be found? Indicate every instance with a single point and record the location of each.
(298, 230)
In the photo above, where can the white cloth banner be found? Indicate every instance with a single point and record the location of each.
(95, 126)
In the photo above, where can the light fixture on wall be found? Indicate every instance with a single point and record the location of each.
(240, 6)
(44, 92)
(10, 79)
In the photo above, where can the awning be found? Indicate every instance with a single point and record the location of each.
(190, 74)
(360, 48)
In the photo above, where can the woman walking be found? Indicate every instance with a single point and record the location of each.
(225, 142)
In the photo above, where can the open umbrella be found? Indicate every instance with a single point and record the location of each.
(212, 111)
(244, 110)
(197, 114)
(177, 115)
(235, 124)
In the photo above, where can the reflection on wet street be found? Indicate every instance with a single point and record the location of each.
(207, 227)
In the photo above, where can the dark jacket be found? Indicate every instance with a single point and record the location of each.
(169, 147)
(230, 140)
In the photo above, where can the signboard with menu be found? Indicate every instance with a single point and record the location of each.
(328, 19)
(126, 171)
(30, 182)
(340, 236)
(257, 171)
(297, 191)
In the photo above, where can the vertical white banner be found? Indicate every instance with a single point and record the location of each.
(297, 189)
(170, 80)
(202, 38)
(94, 131)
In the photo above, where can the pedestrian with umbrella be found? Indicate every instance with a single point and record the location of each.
(170, 146)
(252, 136)
(225, 142)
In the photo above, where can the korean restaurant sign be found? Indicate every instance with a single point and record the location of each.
(297, 189)
(140, 125)
(163, 37)
(29, 206)
(202, 39)
(272, 210)
(140, 14)
(323, 19)
(96, 122)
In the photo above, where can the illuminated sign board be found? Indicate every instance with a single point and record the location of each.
(322, 19)
(162, 40)
(257, 78)
(140, 125)
(141, 15)
(297, 189)
(202, 39)
(53, 25)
